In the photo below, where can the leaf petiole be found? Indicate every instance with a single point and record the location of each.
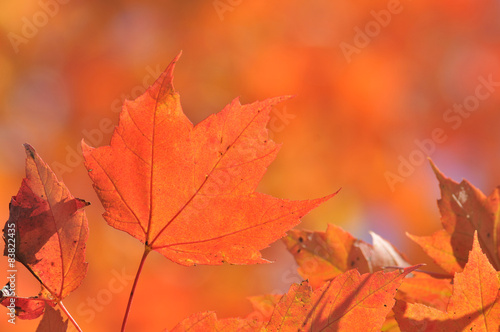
(147, 250)
(73, 321)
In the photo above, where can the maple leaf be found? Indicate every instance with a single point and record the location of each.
(464, 209)
(188, 191)
(350, 302)
(46, 231)
(354, 302)
(474, 304)
(324, 255)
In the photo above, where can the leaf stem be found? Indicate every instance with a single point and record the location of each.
(73, 321)
(147, 250)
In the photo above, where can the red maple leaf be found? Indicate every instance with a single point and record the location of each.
(47, 232)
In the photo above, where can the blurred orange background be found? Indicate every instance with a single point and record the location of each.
(370, 78)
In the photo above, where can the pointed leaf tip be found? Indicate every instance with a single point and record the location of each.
(435, 169)
(285, 98)
(30, 151)
(85, 146)
(475, 243)
(167, 83)
(81, 203)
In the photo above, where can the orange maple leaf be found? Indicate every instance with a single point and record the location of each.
(47, 231)
(464, 209)
(354, 302)
(188, 191)
(350, 302)
(474, 304)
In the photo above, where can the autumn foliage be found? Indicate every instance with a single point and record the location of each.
(189, 193)
(215, 215)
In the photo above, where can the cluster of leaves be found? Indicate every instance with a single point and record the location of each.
(337, 298)
(188, 192)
